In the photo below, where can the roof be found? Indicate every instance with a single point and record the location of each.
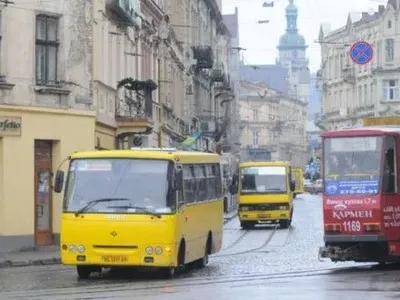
(181, 156)
(273, 75)
(264, 163)
(363, 131)
(232, 22)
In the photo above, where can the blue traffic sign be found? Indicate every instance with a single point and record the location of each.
(361, 52)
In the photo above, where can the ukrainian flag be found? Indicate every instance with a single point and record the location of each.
(191, 141)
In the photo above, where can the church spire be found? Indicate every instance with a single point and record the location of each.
(291, 17)
(291, 39)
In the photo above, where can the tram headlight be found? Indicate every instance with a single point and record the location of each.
(149, 250)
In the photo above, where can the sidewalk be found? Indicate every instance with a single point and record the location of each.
(50, 255)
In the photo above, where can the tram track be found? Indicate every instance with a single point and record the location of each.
(92, 291)
(262, 246)
(237, 241)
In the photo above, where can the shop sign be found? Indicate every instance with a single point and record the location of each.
(10, 126)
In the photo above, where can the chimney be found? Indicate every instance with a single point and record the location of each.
(381, 9)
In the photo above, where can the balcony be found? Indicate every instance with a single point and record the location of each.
(127, 11)
(134, 112)
(218, 74)
(204, 56)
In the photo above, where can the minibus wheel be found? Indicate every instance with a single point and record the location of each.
(84, 271)
(284, 224)
(202, 262)
(168, 272)
(246, 225)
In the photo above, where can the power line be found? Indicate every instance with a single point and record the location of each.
(6, 2)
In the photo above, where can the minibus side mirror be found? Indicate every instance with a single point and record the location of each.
(59, 181)
(177, 184)
(233, 188)
(292, 186)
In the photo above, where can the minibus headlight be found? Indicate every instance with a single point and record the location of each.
(244, 208)
(158, 250)
(283, 207)
(81, 248)
(149, 250)
(72, 248)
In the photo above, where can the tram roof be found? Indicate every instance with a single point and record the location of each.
(363, 131)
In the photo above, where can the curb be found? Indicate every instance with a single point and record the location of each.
(26, 263)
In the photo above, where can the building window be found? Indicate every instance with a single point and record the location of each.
(256, 136)
(46, 50)
(389, 49)
(389, 24)
(391, 90)
(255, 115)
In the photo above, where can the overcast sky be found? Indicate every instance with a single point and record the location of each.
(261, 39)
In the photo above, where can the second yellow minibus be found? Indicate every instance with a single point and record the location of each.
(265, 193)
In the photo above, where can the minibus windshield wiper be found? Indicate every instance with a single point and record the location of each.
(94, 202)
(140, 208)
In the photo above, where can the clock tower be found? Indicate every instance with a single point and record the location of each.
(292, 56)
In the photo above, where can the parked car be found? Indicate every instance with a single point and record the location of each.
(308, 186)
(313, 187)
(318, 186)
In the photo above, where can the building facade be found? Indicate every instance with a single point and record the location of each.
(100, 74)
(272, 125)
(127, 63)
(199, 28)
(46, 112)
(158, 67)
(351, 91)
(233, 135)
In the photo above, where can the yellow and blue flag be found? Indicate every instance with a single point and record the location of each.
(192, 140)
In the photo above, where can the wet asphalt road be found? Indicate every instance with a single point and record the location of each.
(262, 264)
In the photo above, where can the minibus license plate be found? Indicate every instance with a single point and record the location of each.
(263, 215)
(114, 258)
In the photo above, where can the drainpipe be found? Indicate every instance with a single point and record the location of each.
(161, 121)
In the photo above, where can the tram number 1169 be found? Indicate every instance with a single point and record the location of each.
(351, 226)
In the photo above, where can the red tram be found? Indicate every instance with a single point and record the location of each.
(361, 194)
